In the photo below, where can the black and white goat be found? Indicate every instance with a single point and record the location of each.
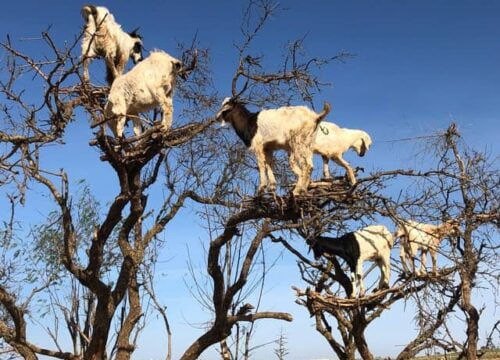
(149, 84)
(332, 142)
(370, 243)
(290, 128)
(104, 37)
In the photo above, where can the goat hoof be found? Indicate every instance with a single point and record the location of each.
(298, 192)
(383, 287)
(165, 127)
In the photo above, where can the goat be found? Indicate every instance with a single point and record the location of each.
(417, 236)
(290, 128)
(332, 142)
(370, 243)
(104, 37)
(149, 84)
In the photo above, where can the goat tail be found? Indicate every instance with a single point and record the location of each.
(326, 110)
(87, 11)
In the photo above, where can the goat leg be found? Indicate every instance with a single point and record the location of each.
(326, 170)
(350, 173)
(261, 163)
(269, 170)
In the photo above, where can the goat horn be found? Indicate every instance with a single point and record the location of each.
(134, 33)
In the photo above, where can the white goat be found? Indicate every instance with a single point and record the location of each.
(417, 236)
(290, 128)
(104, 37)
(370, 243)
(149, 84)
(332, 142)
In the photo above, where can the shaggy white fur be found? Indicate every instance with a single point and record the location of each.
(332, 142)
(104, 37)
(149, 84)
(417, 236)
(290, 128)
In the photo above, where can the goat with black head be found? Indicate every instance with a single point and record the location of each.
(289, 128)
(370, 243)
(104, 37)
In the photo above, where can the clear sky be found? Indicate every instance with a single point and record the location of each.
(418, 65)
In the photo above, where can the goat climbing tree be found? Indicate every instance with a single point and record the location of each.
(467, 192)
(92, 264)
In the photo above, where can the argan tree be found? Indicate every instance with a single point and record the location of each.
(89, 265)
(462, 184)
(97, 256)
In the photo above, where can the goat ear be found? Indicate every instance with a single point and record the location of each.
(363, 148)
(177, 66)
(317, 253)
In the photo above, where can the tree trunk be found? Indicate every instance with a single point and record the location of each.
(468, 274)
(346, 352)
(97, 347)
(358, 330)
(213, 336)
(124, 347)
(224, 350)
(25, 352)
(472, 316)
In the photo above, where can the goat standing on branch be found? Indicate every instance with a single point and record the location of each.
(417, 236)
(104, 37)
(332, 142)
(149, 84)
(370, 243)
(290, 128)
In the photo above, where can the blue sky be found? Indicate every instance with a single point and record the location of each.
(418, 65)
